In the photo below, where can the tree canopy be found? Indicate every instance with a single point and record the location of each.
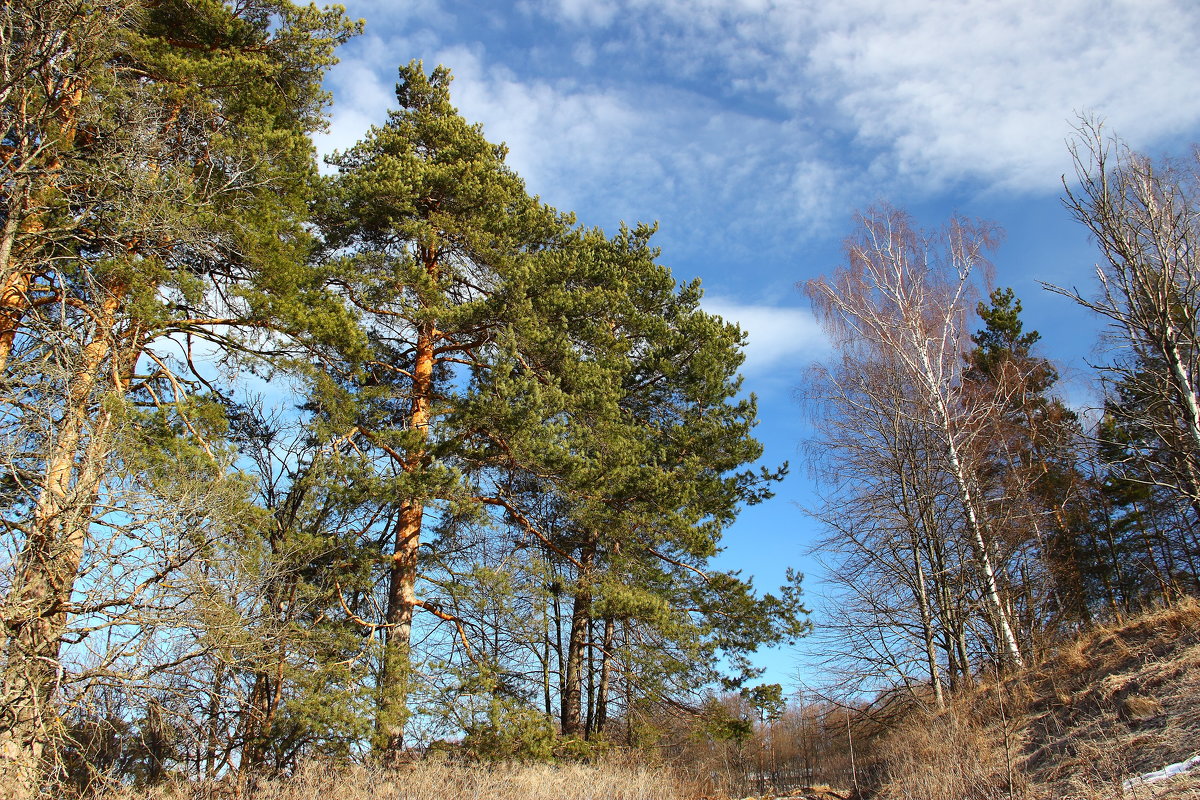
(507, 451)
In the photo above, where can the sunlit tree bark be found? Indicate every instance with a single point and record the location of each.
(139, 203)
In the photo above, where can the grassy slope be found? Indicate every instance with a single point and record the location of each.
(1122, 701)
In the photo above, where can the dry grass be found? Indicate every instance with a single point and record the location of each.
(952, 756)
(446, 780)
(1122, 701)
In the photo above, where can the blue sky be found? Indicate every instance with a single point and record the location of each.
(751, 130)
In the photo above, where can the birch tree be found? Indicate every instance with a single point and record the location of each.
(1145, 217)
(902, 299)
(892, 532)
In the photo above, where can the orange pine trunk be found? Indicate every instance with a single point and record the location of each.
(402, 594)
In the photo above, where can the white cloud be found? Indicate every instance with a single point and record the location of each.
(585, 53)
(820, 193)
(989, 90)
(778, 338)
(588, 12)
(945, 90)
(653, 154)
(561, 137)
(777, 119)
(409, 14)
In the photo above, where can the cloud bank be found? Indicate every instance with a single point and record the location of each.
(751, 126)
(944, 89)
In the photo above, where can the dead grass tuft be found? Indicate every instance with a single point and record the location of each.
(1139, 707)
(950, 756)
(1072, 657)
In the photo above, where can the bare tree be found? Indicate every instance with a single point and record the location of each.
(883, 512)
(901, 303)
(1145, 216)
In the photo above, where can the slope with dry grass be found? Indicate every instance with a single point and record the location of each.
(1118, 703)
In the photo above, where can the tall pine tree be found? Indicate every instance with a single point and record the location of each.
(550, 380)
(162, 193)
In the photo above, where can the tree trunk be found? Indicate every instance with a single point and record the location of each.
(278, 605)
(1006, 638)
(394, 680)
(581, 615)
(213, 712)
(547, 695)
(559, 655)
(267, 693)
(927, 632)
(27, 220)
(915, 519)
(605, 676)
(36, 607)
(402, 580)
(590, 725)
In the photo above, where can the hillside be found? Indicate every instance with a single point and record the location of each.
(1118, 704)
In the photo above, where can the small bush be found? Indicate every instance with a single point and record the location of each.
(512, 732)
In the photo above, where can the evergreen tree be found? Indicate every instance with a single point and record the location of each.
(434, 238)
(1034, 466)
(648, 469)
(1144, 521)
(556, 381)
(296, 665)
(161, 193)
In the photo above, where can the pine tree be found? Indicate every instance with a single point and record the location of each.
(163, 193)
(1034, 467)
(650, 469)
(433, 237)
(523, 374)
